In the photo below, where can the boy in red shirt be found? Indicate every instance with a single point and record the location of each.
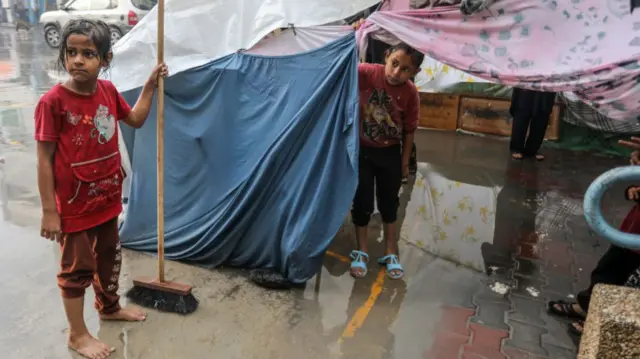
(80, 177)
(389, 111)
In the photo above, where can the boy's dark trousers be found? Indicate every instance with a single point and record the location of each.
(379, 179)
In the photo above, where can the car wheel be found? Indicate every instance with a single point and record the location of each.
(115, 35)
(52, 36)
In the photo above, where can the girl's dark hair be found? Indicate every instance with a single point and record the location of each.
(416, 56)
(98, 33)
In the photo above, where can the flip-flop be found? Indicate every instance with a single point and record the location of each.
(392, 263)
(566, 309)
(358, 262)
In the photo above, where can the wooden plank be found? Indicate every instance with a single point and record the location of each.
(439, 111)
(491, 116)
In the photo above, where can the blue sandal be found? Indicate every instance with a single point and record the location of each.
(392, 263)
(358, 262)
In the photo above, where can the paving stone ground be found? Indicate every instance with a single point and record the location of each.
(541, 242)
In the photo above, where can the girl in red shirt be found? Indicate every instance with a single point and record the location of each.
(80, 177)
(389, 110)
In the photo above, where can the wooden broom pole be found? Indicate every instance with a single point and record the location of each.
(160, 143)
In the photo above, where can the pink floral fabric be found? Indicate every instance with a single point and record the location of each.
(589, 47)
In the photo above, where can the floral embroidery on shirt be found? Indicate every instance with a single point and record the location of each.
(78, 139)
(87, 120)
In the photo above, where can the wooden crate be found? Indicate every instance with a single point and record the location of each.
(439, 111)
(491, 116)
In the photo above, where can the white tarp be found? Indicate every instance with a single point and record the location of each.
(199, 31)
(290, 42)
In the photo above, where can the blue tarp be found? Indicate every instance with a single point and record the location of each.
(260, 161)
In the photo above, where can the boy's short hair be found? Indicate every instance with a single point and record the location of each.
(416, 56)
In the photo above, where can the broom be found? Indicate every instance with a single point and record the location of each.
(157, 293)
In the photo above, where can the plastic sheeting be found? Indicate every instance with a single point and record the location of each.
(590, 46)
(260, 161)
(290, 42)
(199, 31)
(578, 113)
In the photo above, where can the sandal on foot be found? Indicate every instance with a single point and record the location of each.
(539, 157)
(517, 156)
(566, 309)
(360, 260)
(392, 263)
(574, 330)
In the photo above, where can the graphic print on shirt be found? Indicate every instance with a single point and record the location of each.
(377, 117)
(100, 128)
(105, 125)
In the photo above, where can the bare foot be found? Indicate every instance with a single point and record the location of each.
(516, 156)
(539, 157)
(126, 314)
(89, 347)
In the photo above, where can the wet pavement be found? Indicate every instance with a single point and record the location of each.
(509, 236)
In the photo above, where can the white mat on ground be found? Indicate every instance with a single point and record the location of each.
(450, 219)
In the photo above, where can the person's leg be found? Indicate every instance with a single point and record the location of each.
(77, 267)
(537, 132)
(388, 173)
(543, 103)
(361, 213)
(105, 282)
(519, 128)
(613, 268)
(521, 113)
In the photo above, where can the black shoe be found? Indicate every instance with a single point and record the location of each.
(271, 279)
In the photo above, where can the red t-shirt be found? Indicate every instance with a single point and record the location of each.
(386, 112)
(87, 168)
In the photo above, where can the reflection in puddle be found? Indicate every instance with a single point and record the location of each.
(450, 219)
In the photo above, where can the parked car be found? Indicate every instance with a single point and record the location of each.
(121, 15)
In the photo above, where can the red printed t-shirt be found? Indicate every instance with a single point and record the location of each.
(386, 112)
(87, 166)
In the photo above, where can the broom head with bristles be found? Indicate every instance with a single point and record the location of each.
(163, 296)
